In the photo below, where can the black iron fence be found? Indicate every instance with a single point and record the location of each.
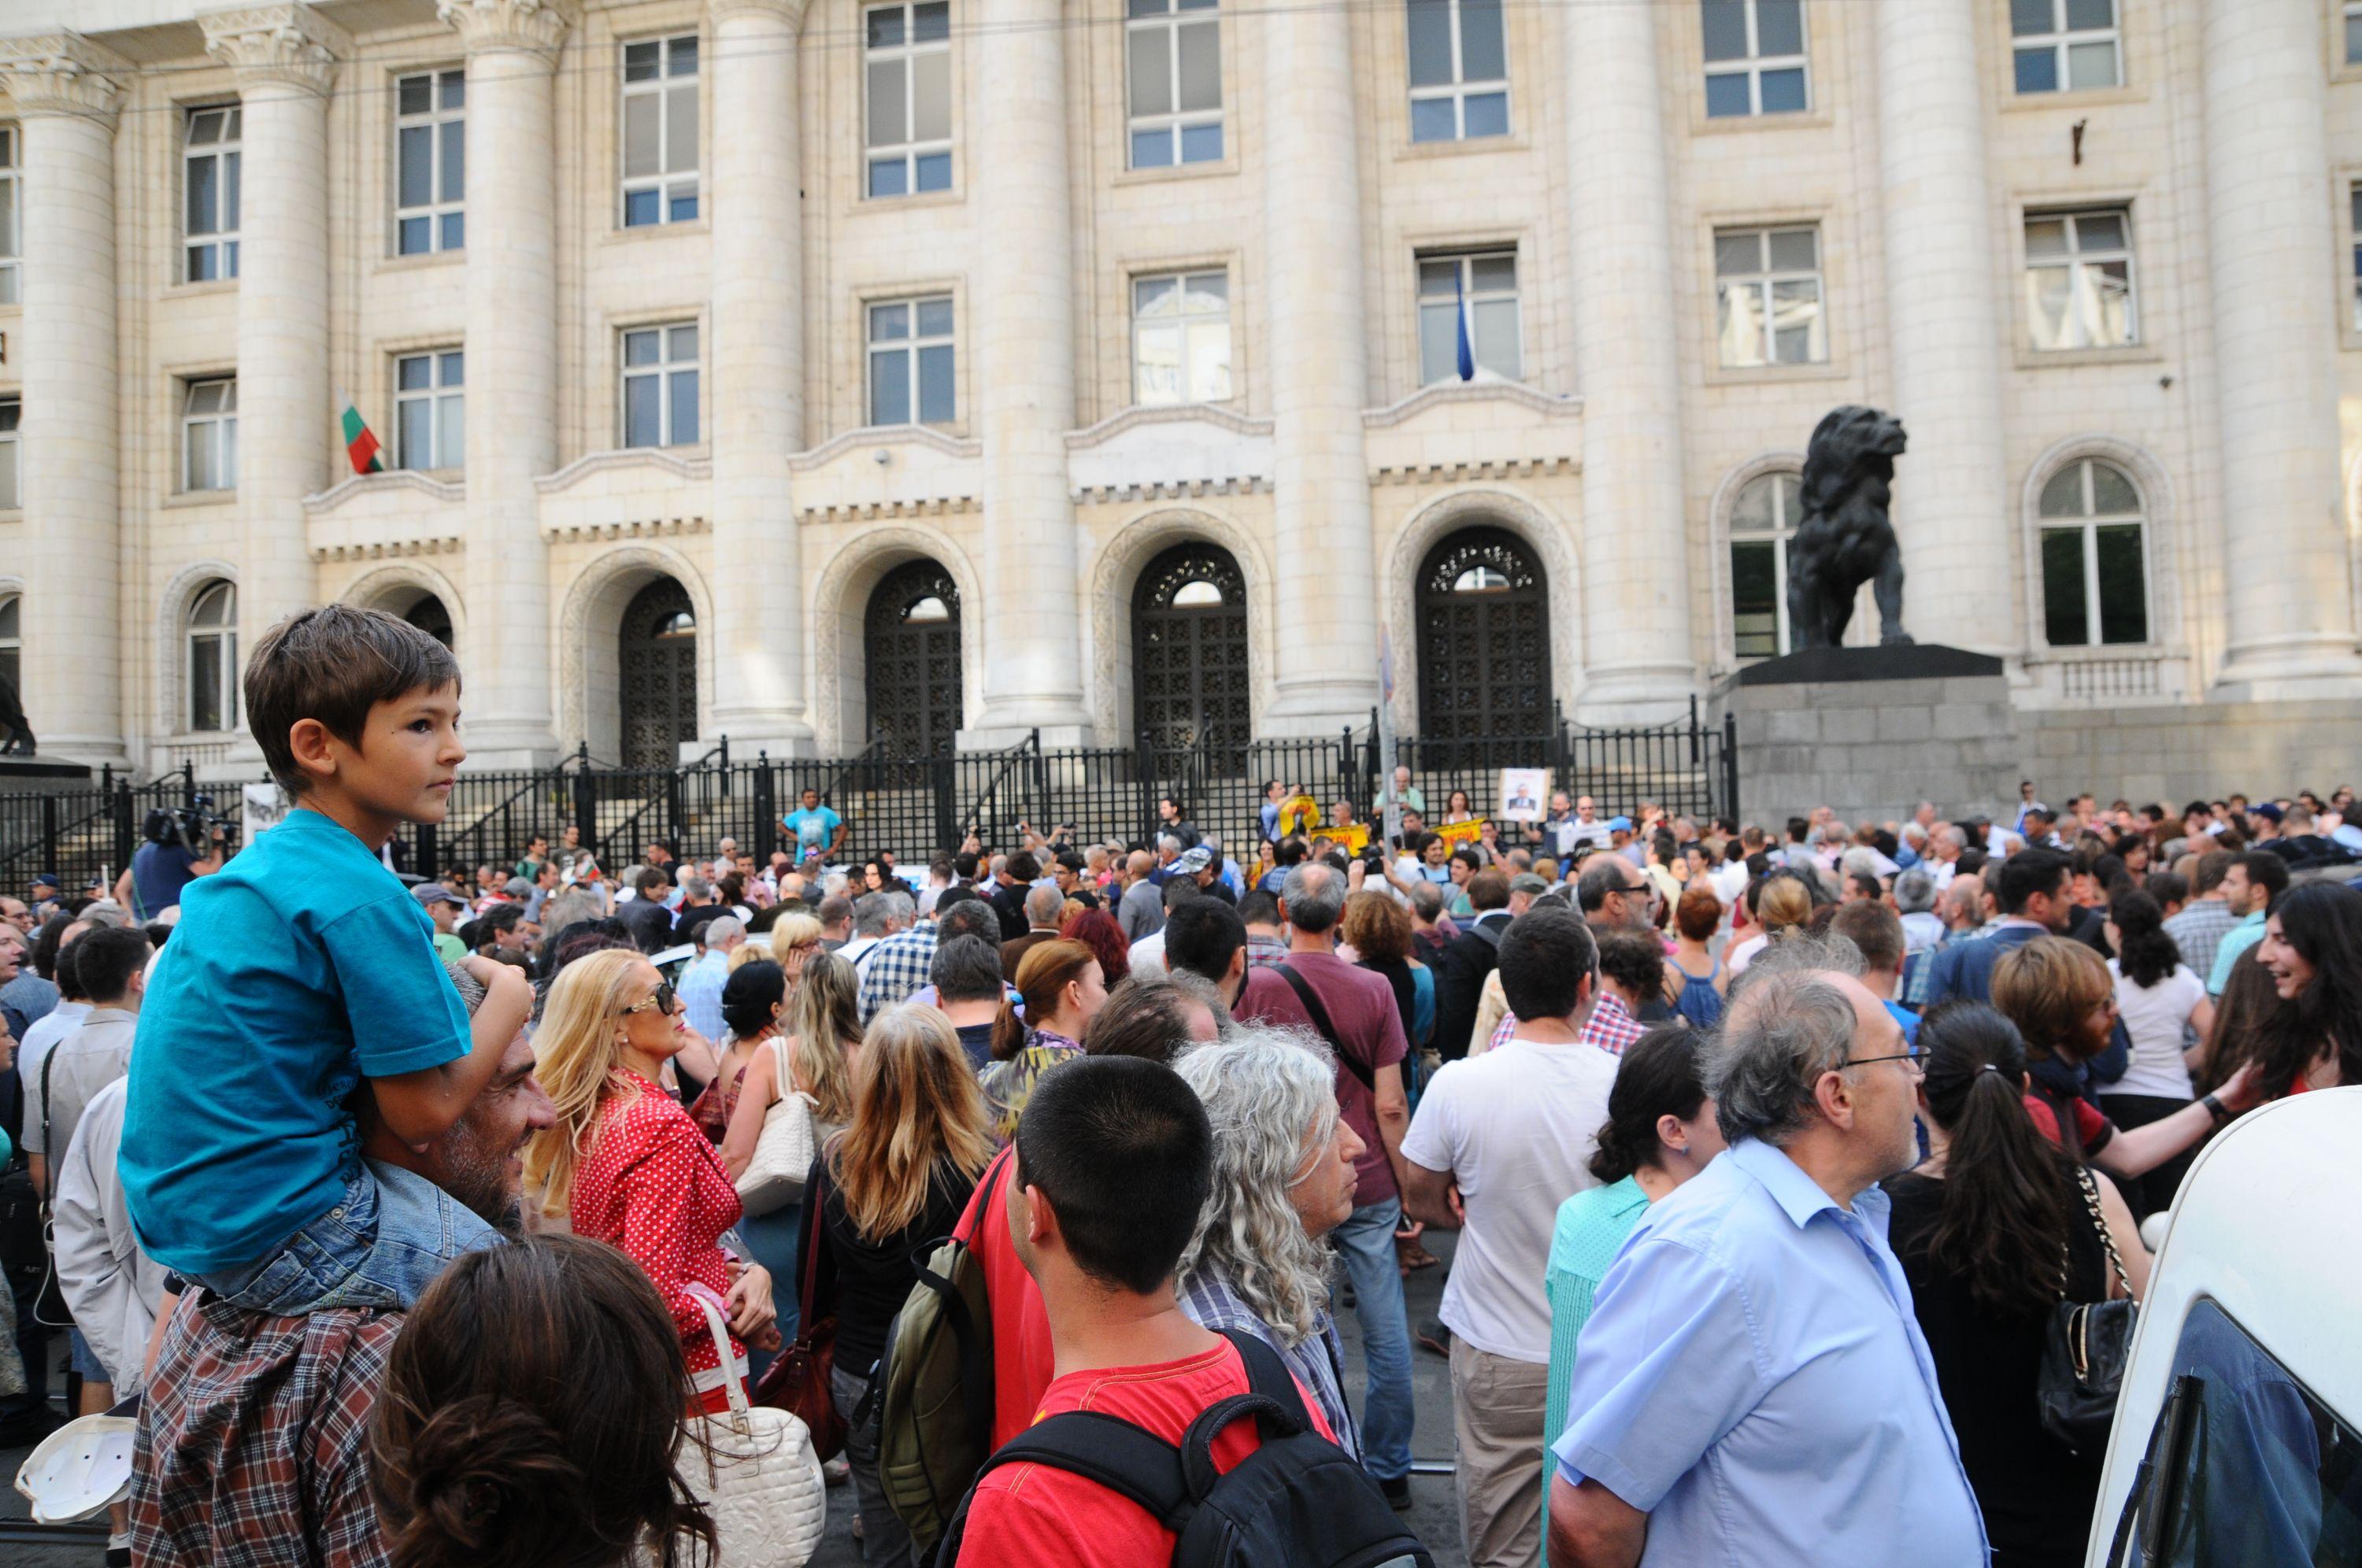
(917, 806)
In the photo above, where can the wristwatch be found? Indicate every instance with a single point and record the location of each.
(2217, 1108)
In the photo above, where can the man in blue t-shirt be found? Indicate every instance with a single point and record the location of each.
(819, 832)
(159, 871)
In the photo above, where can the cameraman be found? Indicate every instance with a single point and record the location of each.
(168, 862)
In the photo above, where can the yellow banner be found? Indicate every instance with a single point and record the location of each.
(1456, 836)
(1353, 839)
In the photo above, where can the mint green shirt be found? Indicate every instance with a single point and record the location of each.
(1591, 1226)
(2232, 948)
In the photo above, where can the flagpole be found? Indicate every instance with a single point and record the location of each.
(1390, 824)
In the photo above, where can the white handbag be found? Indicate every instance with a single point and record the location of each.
(764, 1487)
(774, 1177)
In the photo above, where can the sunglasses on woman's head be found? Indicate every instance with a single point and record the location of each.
(661, 999)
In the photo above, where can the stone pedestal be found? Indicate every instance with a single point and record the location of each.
(1873, 732)
(42, 775)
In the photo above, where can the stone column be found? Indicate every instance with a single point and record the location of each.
(1024, 380)
(758, 417)
(2273, 248)
(511, 351)
(1953, 509)
(1326, 630)
(1638, 661)
(66, 95)
(284, 56)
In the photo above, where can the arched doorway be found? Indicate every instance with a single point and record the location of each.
(911, 648)
(429, 615)
(658, 660)
(1190, 682)
(1484, 639)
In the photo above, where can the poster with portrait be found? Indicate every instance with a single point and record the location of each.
(1523, 790)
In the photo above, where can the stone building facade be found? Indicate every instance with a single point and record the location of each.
(814, 370)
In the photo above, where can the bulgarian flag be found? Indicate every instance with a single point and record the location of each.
(360, 441)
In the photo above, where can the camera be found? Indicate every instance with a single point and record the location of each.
(193, 826)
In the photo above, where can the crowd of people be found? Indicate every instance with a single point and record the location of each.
(409, 1210)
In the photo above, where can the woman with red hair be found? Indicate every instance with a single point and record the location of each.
(1097, 929)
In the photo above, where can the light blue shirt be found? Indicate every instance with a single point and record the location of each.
(701, 993)
(1753, 1378)
(2232, 948)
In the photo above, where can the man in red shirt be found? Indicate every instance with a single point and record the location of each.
(1113, 1162)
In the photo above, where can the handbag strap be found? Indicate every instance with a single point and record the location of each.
(1327, 1030)
(815, 1216)
(740, 1416)
(2100, 1223)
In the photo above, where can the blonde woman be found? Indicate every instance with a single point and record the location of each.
(626, 1165)
(893, 1181)
(795, 938)
(817, 1031)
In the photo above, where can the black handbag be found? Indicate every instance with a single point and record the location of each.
(2085, 1347)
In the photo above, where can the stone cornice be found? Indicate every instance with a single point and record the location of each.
(1469, 391)
(391, 549)
(655, 457)
(874, 510)
(788, 11)
(352, 485)
(623, 528)
(63, 73)
(486, 27)
(836, 446)
(1469, 472)
(1173, 489)
(1115, 424)
(293, 45)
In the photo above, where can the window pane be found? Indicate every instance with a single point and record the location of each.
(1752, 513)
(1783, 92)
(889, 323)
(641, 152)
(455, 160)
(2046, 237)
(935, 318)
(1794, 250)
(2062, 496)
(1481, 57)
(455, 90)
(451, 369)
(412, 373)
(2108, 289)
(1739, 324)
(414, 434)
(684, 408)
(204, 683)
(890, 387)
(1201, 66)
(1438, 279)
(640, 347)
(2046, 308)
(205, 128)
(1148, 8)
(931, 23)
(930, 97)
(1154, 297)
(229, 454)
(935, 170)
(1201, 144)
(681, 344)
(1488, 114)
(2100, 231)
(2031, 15)
(414, 236)
(1491, 274)
(1779, 27)
(1157, 356)
(1431, 42)
(2064, 620)
(1206, 291)
(2038, 70)
(203, 195)
(935, 391)
(1725, 22)
(680, 130)
(9, 611)
(2112, 494)
(1210, 362)
(1754, 599)
(643, 412)
(1738, 254)
(1431, 120)
(1496, 323)
(2123, 586)
(1152, 71)
(1796, 322)
(642, 207)
(8, 496)
(681, 57)
(2085, 14)
(2090, 65)
(890, 177)
(640, 62)
(885, 27)
(1439, 343)
(416, 95)
(2354, 39)
(1725, 96)
(415, 186)
(450, 432)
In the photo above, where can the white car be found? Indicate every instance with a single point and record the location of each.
(2238, 1433)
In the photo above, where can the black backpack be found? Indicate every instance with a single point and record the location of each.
(1298, 1501)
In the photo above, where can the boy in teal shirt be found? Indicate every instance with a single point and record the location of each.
(301, 969)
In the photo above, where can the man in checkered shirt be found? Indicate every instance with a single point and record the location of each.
(896, 969)
(253, 1438)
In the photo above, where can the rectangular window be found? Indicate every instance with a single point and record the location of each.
(2078, 280)
(1754, 58)
(660, 131)
(1458, 69)
(11, 201)
(430, 410)
(10, 496)
(1479, 290)
(209, 191)
(660, 366)
(910, 380)
(209, 434)
(1174, 75)
(2353, 201)
(2067, 46)
(430, 162)
(907, 123)
(2353, 32)
(1181, 337)
(1767, 284)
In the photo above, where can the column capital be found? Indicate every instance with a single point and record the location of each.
(486, 27)
(63, 74)
(788, 11)
(292, 44)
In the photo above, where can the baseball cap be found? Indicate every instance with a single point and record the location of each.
(2266, 809)
(1619, 824)
(1194, 861)
(48, 878)
(517, 887)
(429, 893)
(1527, 882)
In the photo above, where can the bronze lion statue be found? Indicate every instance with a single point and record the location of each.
(1845, 539)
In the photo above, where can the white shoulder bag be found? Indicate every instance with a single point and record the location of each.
(764, 1484)
(774, 1177)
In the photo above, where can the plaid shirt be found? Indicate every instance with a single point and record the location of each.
(1266, 952)
(2199, 931)
(894, 968)
(1211, 1302)
(1611, 1025)
(253, 1439)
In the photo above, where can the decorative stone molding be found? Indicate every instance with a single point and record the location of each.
(623, 528)
(167, 646)
(390, 549)
(440, 491)
(1465, 473)
(1555, 405)
(384, 585)
(1174, 489)
(63, 73)
(828, 451)
(293, 45)
(871, 510)
(625, 458)
(788, 11)
(1117, 566)
(598, 595)
(840, 603)
(488, 26)
(1115, 424)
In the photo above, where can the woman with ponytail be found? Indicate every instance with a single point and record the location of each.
(2163, 1004)
(490, 1448)
(1064, 989)
(1993, 1230)
(1659, 1133)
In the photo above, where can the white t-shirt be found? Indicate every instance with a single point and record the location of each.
(1147, 955)
(1742, 954)
(1517, 1127)
(2155, 1017)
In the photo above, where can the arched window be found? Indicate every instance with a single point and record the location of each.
(910, 649)
(1189, 673)
(2094, 557)
(1763, 523)
(212, 657)
(1483, 643)
(428, 614)
(12, 640)
(659, 664)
